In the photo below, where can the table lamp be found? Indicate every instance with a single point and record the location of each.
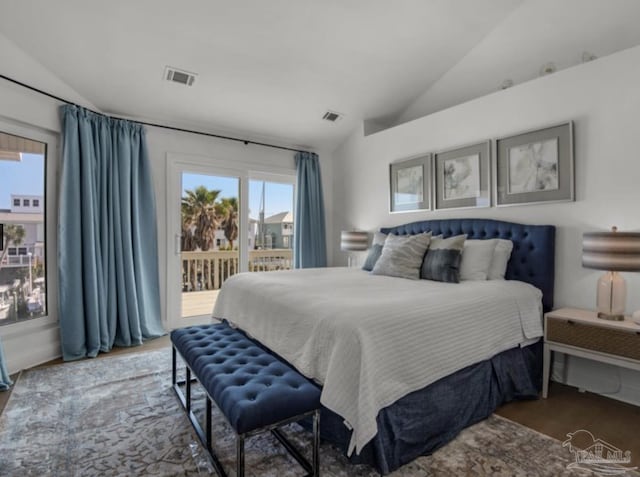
(353, 241)
(615, 252)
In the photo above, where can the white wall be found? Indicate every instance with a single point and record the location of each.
(602, 98)
(38, 342)
(536, 33)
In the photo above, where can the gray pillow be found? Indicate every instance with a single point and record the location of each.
(374, 254)
(442, 261)
(402, 256)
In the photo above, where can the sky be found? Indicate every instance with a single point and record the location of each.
(27, 177)
(278, 197)
(24, 177)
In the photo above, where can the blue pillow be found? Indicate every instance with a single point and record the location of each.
(374, 254)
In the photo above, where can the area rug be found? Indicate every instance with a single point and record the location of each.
(118, 416)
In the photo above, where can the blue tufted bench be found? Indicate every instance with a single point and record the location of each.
(254, 390)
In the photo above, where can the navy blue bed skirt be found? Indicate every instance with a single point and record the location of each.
(427, 419)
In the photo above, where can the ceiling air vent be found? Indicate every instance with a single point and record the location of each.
(332, 116)
(179, 76)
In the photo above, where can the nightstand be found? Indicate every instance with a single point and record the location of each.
(581, 333)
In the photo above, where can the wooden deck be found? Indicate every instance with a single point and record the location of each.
(198, 303)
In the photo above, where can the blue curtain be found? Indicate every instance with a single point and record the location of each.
(107, 236)
(310, 248)
(5, 382)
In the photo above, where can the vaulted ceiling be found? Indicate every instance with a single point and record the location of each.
(271, 69)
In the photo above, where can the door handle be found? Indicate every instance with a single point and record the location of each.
(178, 238)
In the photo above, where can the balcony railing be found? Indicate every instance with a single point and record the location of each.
(208, 270)
(16, 261)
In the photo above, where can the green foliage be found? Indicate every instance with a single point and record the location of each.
(13, 236)
(203, 212)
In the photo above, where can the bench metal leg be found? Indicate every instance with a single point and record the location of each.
(205, 437)
(316, 444)
(174, 367)
(207, 418)
(240, 455)
(188, 384)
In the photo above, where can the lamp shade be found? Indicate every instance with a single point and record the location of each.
(353, 241)
(614, 251)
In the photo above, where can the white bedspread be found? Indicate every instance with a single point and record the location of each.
(370, 339)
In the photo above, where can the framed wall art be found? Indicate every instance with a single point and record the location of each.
(462, 177)
(535, 166)
(409, 184)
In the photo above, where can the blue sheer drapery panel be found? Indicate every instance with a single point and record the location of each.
(107, 236)
(5, 381)
(310, 247)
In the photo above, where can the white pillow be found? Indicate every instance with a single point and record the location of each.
(476, 259)
(378, 238)
(501, 256)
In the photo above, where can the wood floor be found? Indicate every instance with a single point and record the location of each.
(566, 410)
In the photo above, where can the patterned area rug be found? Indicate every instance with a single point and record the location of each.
(118, 416)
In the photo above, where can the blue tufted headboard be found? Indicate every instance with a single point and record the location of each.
(533, 256)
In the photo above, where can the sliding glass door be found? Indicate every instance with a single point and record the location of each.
(222, 221)
(205, 246)
(208, 239)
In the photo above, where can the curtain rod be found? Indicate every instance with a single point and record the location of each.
(172, 128)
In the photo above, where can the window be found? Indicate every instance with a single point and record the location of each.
(23, 275)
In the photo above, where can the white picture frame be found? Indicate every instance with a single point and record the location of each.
(409, 184)
(535, 166)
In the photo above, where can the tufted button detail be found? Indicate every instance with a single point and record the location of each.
(523, 237)
(235, 371)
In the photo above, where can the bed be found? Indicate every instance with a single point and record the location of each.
(402, 370)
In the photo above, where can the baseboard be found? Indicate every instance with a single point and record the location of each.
(599, 378)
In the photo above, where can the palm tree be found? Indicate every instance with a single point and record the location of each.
(227, 211)
(199, 207)
(13, 234)
(187, 240)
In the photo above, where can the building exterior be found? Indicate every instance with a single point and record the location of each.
(221, 242)
(278, 231)
(27, 211)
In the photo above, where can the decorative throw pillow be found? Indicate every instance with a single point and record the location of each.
(374, 254)
(379, 238)
(442, 262)
(501, 256)
(402, 255)
(477, 256)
